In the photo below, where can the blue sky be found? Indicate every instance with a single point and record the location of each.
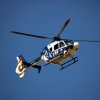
(80, 81)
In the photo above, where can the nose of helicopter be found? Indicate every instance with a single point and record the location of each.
(76, 44)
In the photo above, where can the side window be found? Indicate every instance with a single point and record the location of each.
(55, 46)
(61, 44)
(51, 49)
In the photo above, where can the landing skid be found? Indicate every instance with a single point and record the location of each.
(73, 59)
(62, 65)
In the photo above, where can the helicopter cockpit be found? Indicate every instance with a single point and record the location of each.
(60, 44)
(56, 45)
(54, 48)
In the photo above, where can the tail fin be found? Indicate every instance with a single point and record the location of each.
(21, 67)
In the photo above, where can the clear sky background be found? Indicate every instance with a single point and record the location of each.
(80, 81)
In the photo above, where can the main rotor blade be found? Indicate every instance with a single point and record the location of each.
(37, 36)
(88, 40)
(63, 27)
(82, 40)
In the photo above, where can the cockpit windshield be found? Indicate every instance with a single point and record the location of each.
(68, 41)
(61, 44)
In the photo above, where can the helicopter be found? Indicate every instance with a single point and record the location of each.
(57, 52)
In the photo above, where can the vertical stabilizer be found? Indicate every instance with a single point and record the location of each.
(21, 67)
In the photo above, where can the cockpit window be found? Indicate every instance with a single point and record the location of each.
(66, 42)
(61, 44)
(56, 47)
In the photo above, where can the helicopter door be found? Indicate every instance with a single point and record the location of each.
(55, 52)
(61, 46)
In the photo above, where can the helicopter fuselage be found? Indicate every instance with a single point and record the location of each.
(59, 51)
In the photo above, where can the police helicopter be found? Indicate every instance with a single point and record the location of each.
(56, 52)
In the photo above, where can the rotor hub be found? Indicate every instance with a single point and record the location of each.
(57, 38)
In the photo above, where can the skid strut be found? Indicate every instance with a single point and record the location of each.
(73, 59)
